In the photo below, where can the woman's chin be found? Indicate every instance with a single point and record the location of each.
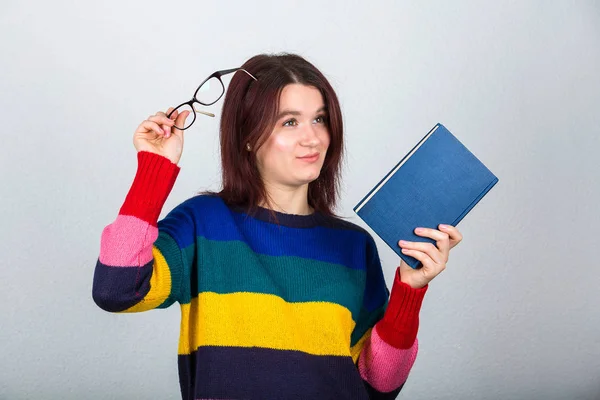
(308, 178)
(301, 181)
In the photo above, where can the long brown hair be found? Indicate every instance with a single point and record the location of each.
(248, 116)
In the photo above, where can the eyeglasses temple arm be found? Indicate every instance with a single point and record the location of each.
(229, 71)
(204, 112)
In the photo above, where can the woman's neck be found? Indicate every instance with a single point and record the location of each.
(288, 201)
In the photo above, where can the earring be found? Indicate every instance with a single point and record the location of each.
(248, 147)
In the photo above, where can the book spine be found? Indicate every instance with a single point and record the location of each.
(474, 202)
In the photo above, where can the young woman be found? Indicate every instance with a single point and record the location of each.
(280, 298)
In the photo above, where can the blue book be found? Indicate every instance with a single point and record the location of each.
(438, 182)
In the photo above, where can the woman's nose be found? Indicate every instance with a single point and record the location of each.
(310, 135)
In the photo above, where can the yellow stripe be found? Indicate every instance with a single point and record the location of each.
(357, 348)
(264, 320)
(160, 285)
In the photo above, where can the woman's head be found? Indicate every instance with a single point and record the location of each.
(268, 125)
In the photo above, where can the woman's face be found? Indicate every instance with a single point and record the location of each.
(300, 131)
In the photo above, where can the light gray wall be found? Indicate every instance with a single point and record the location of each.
(516, 313)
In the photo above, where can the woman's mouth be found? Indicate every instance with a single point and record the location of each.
(310, 158)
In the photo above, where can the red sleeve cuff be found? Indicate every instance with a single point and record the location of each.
(400, 323)
(151, 186)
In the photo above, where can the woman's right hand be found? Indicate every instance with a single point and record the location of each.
(157, 135)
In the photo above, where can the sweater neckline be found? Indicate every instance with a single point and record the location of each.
(284, 219)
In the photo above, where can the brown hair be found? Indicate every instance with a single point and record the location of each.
(248, 116)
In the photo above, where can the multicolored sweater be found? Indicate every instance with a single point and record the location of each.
(296, 308)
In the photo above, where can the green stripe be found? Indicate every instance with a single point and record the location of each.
(291, 278)
(366, 320)
(172, 254)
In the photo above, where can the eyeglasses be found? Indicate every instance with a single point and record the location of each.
(209, 92)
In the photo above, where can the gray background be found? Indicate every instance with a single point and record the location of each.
(516, 313)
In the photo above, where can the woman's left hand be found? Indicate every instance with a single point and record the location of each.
(433, 257)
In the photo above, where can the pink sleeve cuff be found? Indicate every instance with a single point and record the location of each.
(385, 367)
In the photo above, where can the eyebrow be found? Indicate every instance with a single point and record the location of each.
(295, 112)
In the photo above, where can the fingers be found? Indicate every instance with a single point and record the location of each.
(180, 121)
(439, 251)
(166, 123)
(432, 233)
(162, 124)
(432, 257)
(172, 114)
(442, 238)
(161, 119)
(431, 267)
(419, 255)
(427, 248)
(453, 233)
(151, 126)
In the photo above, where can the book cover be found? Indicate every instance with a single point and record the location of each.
(438, 182)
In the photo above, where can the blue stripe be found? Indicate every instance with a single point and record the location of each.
(118, 288)
(210, 218)
(339, 242)
(261, 373)
(376, 291)
(376, 394)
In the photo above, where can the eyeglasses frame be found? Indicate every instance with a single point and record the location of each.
(218, 75)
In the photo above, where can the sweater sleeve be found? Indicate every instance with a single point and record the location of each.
(141, 265)
(388, 345)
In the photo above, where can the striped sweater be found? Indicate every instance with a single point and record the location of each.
(292, 308)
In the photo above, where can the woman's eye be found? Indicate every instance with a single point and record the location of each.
(321, 118)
